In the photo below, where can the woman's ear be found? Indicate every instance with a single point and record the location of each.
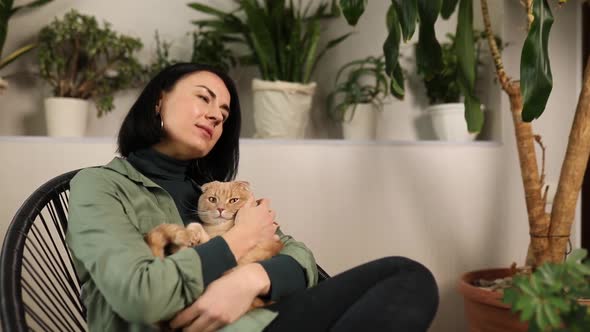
(158, 106)
(159, 103)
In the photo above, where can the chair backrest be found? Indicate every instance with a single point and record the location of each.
(38, 284)
(39, 288)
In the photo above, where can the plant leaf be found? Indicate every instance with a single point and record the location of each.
(391, 52)
(397, 82)
(261, 39)
(353, 10)
(15, 55)
(448, 7)
(428, 50)
(577, 255)
(34, 4)
(465, 48)
(5, 13)
(308, 63)
(407, 11)
(207, 9)
(536, 80)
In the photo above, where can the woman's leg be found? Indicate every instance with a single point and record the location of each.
(392, 293)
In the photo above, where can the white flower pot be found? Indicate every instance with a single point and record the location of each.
(66, 117)
(363, 125)
(448, 122)
(281, 109)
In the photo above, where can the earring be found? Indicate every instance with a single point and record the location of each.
(160, 116)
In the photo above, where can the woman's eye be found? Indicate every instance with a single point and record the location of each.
(234, 200)
(204, 98)
(212, 199)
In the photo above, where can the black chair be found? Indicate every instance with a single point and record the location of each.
(39, 288)
(38, 284)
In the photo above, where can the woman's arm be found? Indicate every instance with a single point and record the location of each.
(292, 270)
(225, 300)
(298, 251)
(103, 239)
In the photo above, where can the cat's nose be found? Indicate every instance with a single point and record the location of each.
(220, 210)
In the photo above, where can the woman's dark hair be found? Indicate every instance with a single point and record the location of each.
(142, 129)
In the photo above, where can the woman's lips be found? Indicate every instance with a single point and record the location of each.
(206, 129)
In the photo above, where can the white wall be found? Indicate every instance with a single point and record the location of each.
(454, 207)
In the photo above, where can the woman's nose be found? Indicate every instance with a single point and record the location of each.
(214, 115)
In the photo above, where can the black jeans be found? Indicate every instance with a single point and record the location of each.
(388, 294)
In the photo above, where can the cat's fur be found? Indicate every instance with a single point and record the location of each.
(217, 208)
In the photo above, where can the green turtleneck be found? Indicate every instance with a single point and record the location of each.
(285, 274)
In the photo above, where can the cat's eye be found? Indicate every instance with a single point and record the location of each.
(212, 199)
(234, 200)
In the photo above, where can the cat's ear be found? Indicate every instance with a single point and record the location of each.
(208, 185)
(244, 184)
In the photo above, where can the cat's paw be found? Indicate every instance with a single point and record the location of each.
(184, 238)
(197, 233)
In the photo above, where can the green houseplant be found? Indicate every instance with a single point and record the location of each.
(7, 10)
(283, 42)
(208, 48)
(81, 61)
(443, 89)
(361, 87)
(549, 230)
(549, 298)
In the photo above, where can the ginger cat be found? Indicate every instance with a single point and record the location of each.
(217, 208)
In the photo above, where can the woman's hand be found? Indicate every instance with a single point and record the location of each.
(225, 300)
(254, 224)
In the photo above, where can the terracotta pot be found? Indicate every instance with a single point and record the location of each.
(484, 309)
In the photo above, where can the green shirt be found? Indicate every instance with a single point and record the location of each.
(124, 287)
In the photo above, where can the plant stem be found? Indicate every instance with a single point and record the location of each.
(538, 218)
(539, 141)
(86, 88)
(73, 62)
(501, 73)
(572, 173)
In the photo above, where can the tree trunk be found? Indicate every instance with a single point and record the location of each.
(525, 142)
(572, 174)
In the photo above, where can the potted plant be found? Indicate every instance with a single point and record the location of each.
(284, 42)
(83, 61)
(446, 110)
(208, 48)
(554, 297)
(360, 89)
(7, 10)
(549, 230)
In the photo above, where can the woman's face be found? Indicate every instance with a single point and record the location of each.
(193, 113)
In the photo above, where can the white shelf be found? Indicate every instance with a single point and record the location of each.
(256, 141)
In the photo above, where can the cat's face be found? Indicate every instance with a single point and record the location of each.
(221, 201)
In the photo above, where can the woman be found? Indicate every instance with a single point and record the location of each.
(183, 131)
